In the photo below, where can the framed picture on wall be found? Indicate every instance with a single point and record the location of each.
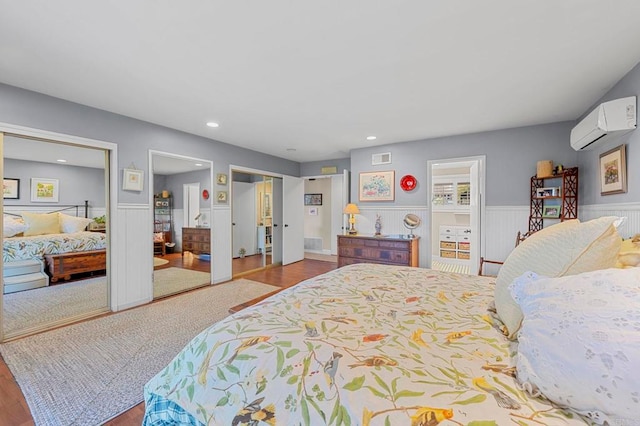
(11, 188)
(44, 190)
(613, 171)
(377, 186)
(132, 180)
(312, 199)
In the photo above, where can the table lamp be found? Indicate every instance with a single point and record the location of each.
(352, 210)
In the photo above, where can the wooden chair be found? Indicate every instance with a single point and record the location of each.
(520, 237)
(158, 244)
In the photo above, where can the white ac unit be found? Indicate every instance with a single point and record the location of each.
(608, 120)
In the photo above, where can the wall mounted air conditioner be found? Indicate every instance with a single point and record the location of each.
(609, 119)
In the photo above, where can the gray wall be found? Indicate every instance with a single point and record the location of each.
(511, 159)
(313, 168)
(76, 184)
(134, 137)
(588, 161)
(174, 183)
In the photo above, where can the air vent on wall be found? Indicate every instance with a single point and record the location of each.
(383, 158)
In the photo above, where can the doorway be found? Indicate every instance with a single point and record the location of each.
(60, 199)
(181, 214)
(325, 198)
(457, 212)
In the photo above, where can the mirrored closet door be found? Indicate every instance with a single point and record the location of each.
(255, 228)
(181, 214)
(55, 234)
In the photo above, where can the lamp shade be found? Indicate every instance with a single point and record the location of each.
(351, 209)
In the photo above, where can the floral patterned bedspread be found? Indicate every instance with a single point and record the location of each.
(35, 247)
(364, 344)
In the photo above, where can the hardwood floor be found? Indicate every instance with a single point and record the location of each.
(13, 407)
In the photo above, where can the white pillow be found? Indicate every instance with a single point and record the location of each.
(12, 227)
(567, 248)
(69, 224)
(579, 344)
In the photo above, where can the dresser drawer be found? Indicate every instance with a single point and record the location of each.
(451, 238)
(391, 251)
(447, 230)
(464, 246)
(463, 255)
(449, 254)
(463, 230)
(447, 245)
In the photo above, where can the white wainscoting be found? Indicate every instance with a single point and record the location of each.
(221, 244)
(629, 210)
(131, 262)
(391, 219)
(502, 224)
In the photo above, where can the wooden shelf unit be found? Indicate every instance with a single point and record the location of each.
(370, 249)
(568, 198)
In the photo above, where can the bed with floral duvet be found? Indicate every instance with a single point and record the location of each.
(362, 345)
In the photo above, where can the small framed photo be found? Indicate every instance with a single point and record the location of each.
(312, 199)
(44, 190)
(548, 192)
(313, 211)
(132, 180)
(11, 189)
(552, 212)
(613, 171)
(221, 179)
(221, 196)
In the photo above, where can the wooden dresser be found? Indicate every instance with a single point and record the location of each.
(371, 249)
(196, 240)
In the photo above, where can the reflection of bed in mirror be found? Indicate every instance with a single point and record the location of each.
(56, 242)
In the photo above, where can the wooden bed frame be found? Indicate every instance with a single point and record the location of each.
(65, 264)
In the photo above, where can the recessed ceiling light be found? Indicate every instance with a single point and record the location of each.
(198, 164)
(61, 160)
(212, 124)
(371, 138)
(291, 149)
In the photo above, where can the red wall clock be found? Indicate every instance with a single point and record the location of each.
(205, 194)
(408, 183)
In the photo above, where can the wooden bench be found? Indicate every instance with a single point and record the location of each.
(65, 264)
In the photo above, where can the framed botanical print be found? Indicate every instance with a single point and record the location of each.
(44, 190)
(377, 186)
(613, 171)
(11, 188)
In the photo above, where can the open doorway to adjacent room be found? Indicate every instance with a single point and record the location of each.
(325, 198)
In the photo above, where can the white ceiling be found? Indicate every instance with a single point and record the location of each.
(319, 77)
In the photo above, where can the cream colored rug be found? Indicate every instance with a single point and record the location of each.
(89, 372)
(54, 304)
(170, 281)
(159, 262)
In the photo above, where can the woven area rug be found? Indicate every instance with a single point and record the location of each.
(53, 304)
(87, 373)
(169, 281)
